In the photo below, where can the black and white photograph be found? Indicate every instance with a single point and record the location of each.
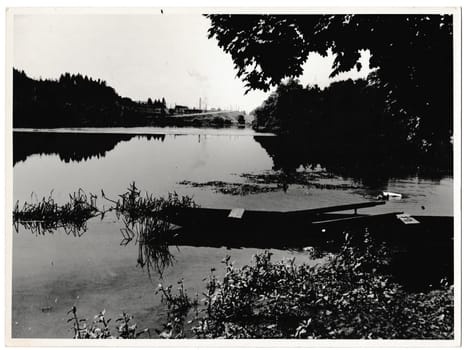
(215, 174)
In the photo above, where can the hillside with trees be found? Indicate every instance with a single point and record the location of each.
(71, 100)
(75, 100)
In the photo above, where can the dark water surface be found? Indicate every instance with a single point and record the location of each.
(54, 271)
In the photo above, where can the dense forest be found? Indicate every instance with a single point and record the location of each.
(76, 100)
(350, 123)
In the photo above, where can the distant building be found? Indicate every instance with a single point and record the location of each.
(153, 109)
(194, 110)
(178, 109)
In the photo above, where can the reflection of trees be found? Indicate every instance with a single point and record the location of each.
(68, 146)
(371, 165)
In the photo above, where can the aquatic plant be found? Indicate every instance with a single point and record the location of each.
(308, 178)
(46, 215)
(133, 206)
(304, 177)
(232, 188)
(147, 221)
(275, 181)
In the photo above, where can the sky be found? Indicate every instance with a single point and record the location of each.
(146, 56)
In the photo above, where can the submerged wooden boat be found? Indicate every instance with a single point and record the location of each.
(236, 218)
(422, 246)
(300, 228)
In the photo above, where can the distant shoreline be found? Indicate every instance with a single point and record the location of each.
(75, 101)
(150, 130)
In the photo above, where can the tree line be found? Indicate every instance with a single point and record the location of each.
(74, 100)
(350, 125)
(158, 102)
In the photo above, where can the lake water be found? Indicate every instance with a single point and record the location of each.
(55, 271)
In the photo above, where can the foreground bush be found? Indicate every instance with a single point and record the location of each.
(349, 296)
(100, 328)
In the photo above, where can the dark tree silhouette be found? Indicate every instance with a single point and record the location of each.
(74, 101)
(346, 125)
(412, 53)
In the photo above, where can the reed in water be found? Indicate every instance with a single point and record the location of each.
(47, 215)
(144, 217)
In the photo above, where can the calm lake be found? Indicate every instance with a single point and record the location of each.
(53, 272)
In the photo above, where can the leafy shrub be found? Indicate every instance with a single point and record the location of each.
(349, 296)
(178, 307)
(100, 328)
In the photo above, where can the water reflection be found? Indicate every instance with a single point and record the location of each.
(153, 247)
(69, 146)
(372, 166)
(40, 228)
(160, 164)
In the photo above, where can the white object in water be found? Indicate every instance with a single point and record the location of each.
(236, 213)
(392, 195)
(407, 219)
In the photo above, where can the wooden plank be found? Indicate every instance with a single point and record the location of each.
(236, 213)
(407, 219)
(264, 213)
(336, 208)
(355, 219)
